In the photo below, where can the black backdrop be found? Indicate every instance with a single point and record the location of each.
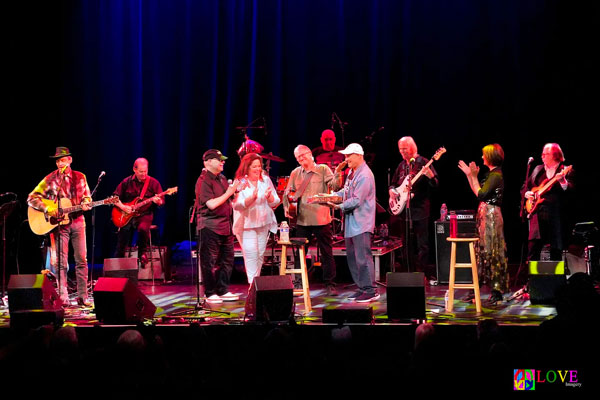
(116, 80)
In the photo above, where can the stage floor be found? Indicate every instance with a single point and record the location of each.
(177, 302)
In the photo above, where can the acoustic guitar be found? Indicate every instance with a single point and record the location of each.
(532, 204)
(398, 202)
(40, 223)
(120, 218)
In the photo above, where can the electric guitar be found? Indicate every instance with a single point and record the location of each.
(533, 203)
(120, 218)
(398, 202)
(40, 223)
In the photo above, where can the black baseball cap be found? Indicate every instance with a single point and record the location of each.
(213, 153)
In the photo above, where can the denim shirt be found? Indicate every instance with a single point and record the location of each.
(359, 202)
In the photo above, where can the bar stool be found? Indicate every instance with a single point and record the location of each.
(151, 250)
(297, 243)
(473, 265)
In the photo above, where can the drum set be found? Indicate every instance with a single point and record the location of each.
(252, 146)
(281, 182)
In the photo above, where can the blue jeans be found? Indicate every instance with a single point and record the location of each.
(360, 261)
(74, 232)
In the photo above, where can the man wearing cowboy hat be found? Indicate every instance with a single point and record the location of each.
(65, 183)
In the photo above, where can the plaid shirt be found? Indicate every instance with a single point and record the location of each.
(75, 188)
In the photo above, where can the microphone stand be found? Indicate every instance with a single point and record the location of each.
(91, 282)
(59, 240)
(519, 293)
(408, 222)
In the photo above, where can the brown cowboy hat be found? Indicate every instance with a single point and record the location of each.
(61, 152)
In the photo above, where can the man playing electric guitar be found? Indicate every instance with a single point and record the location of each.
(64, 183)
(546, 222)
(417, 252)
(140, 184)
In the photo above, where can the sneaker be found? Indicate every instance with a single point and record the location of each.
(81, 302)
(230, 297)
(367, 297)
(355, 295)
(214, 299)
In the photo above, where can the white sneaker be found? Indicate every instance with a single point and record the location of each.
(214, 299)
(230, 297)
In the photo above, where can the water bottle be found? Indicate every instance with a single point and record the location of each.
(453, 225)
(446, 299)
(443, 212)
(284, 232)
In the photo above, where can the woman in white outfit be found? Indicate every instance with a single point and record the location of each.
(253, 216)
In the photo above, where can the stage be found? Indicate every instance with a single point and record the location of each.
(197, 345)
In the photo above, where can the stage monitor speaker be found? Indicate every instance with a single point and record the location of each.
(32, 292)
(271, 298)
(33, 302)
(405, 295)
(121, 268)
(118, 300)
(545, 279)
(442, 251)
(347, 315)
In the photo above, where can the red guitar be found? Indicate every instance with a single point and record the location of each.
(120, 218)
(532, 204)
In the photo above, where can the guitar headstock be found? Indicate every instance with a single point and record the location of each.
(565, 170)
(172, 190)
(439, 153)
(112, 200)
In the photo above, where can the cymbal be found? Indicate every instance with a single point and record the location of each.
(271, 156)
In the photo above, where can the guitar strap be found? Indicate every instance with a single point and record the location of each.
(303, 185)
(146, 183)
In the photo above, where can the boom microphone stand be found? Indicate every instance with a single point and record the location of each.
(91, 282)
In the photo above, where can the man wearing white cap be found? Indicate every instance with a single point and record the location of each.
(358, 207)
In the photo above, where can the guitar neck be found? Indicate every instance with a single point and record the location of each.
(73, 209)
(418, 175)
(149, 200)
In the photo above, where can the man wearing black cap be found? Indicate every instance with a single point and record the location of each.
(64, 183)
(140, 184)
(214, 223)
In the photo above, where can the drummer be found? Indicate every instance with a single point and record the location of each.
(307, 180)
(328, 153)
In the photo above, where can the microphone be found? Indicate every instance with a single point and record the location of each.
(101, 174)
(63, 169)
(530, 160)
(412, 160)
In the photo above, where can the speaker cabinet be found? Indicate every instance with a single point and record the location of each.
(118, 300)
(121, 268)
(271, 298)
(158, 257)
(545, 278)
(442, 251)
(33, 302)
(405, 295)
(32, 292)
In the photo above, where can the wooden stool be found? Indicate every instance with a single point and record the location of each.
(472, 265)
(298, 243)
(160, 256)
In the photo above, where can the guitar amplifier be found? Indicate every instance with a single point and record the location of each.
(442, 250)
(158, 257)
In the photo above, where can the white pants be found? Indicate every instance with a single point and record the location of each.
(254, 243)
